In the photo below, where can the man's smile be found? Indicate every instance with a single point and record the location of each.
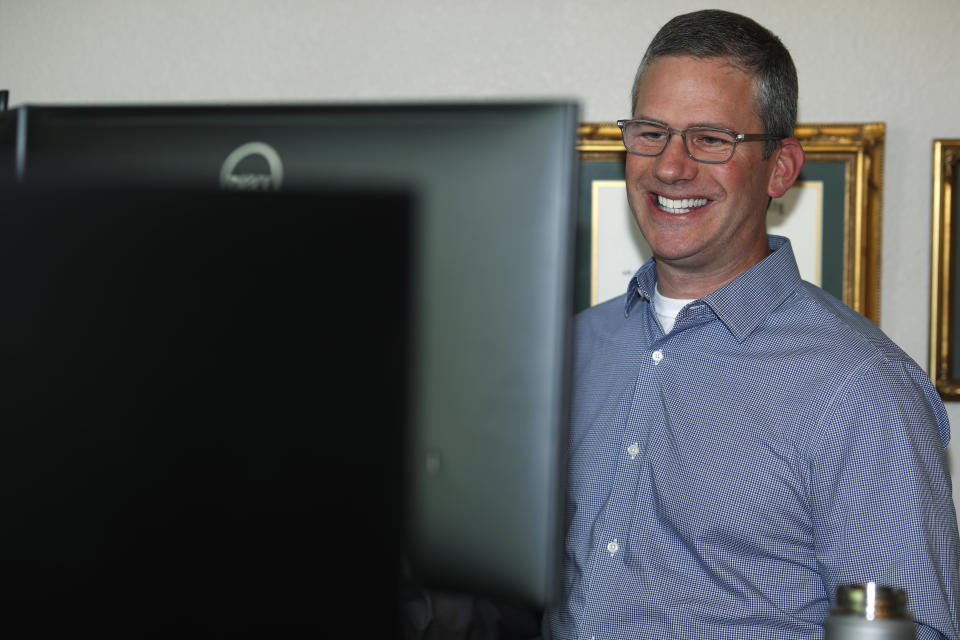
(681, 206)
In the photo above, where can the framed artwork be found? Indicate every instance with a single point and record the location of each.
(832, 214)
(944, 316)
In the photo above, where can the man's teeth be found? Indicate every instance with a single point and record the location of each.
(680, 206)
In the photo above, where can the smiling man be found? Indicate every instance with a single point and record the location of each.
(742, 442)
(705, 221)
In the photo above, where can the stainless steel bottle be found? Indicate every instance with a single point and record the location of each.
(869, 611)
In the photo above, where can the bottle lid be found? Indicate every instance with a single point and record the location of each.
(871, 601)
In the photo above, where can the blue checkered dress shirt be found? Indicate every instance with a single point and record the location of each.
(727, 476)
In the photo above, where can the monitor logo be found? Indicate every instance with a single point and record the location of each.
(233, 177)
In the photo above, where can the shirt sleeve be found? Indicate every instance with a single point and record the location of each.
(880, 492)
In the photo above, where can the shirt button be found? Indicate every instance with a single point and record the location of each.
(657, 355)
(633, 450)
(613, 547)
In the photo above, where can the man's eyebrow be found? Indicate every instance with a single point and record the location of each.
(711, 125)
(649, 119)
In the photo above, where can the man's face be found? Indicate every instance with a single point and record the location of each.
(705, 220)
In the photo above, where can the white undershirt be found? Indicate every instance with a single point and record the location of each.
(667, 309)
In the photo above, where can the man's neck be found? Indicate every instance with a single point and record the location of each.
(678, 280)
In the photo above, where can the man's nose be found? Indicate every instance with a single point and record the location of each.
(675, 164)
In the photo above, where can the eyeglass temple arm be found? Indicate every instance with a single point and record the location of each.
(749, 137)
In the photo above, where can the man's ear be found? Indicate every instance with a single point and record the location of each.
(789, 159)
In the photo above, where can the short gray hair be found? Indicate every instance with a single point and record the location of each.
(713, 33)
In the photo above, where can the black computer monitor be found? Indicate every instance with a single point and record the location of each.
(495, 184)
(194, 441)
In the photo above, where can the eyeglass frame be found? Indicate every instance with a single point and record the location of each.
(737, 138)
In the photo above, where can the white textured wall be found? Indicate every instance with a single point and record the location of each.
(859, 61)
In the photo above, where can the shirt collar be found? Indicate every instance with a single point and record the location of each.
(743, 303)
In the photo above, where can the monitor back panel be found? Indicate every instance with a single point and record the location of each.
(495, 185)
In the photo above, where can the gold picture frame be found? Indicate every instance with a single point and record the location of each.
(943, 301)
(849, 159)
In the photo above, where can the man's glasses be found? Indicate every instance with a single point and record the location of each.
(704, 144)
